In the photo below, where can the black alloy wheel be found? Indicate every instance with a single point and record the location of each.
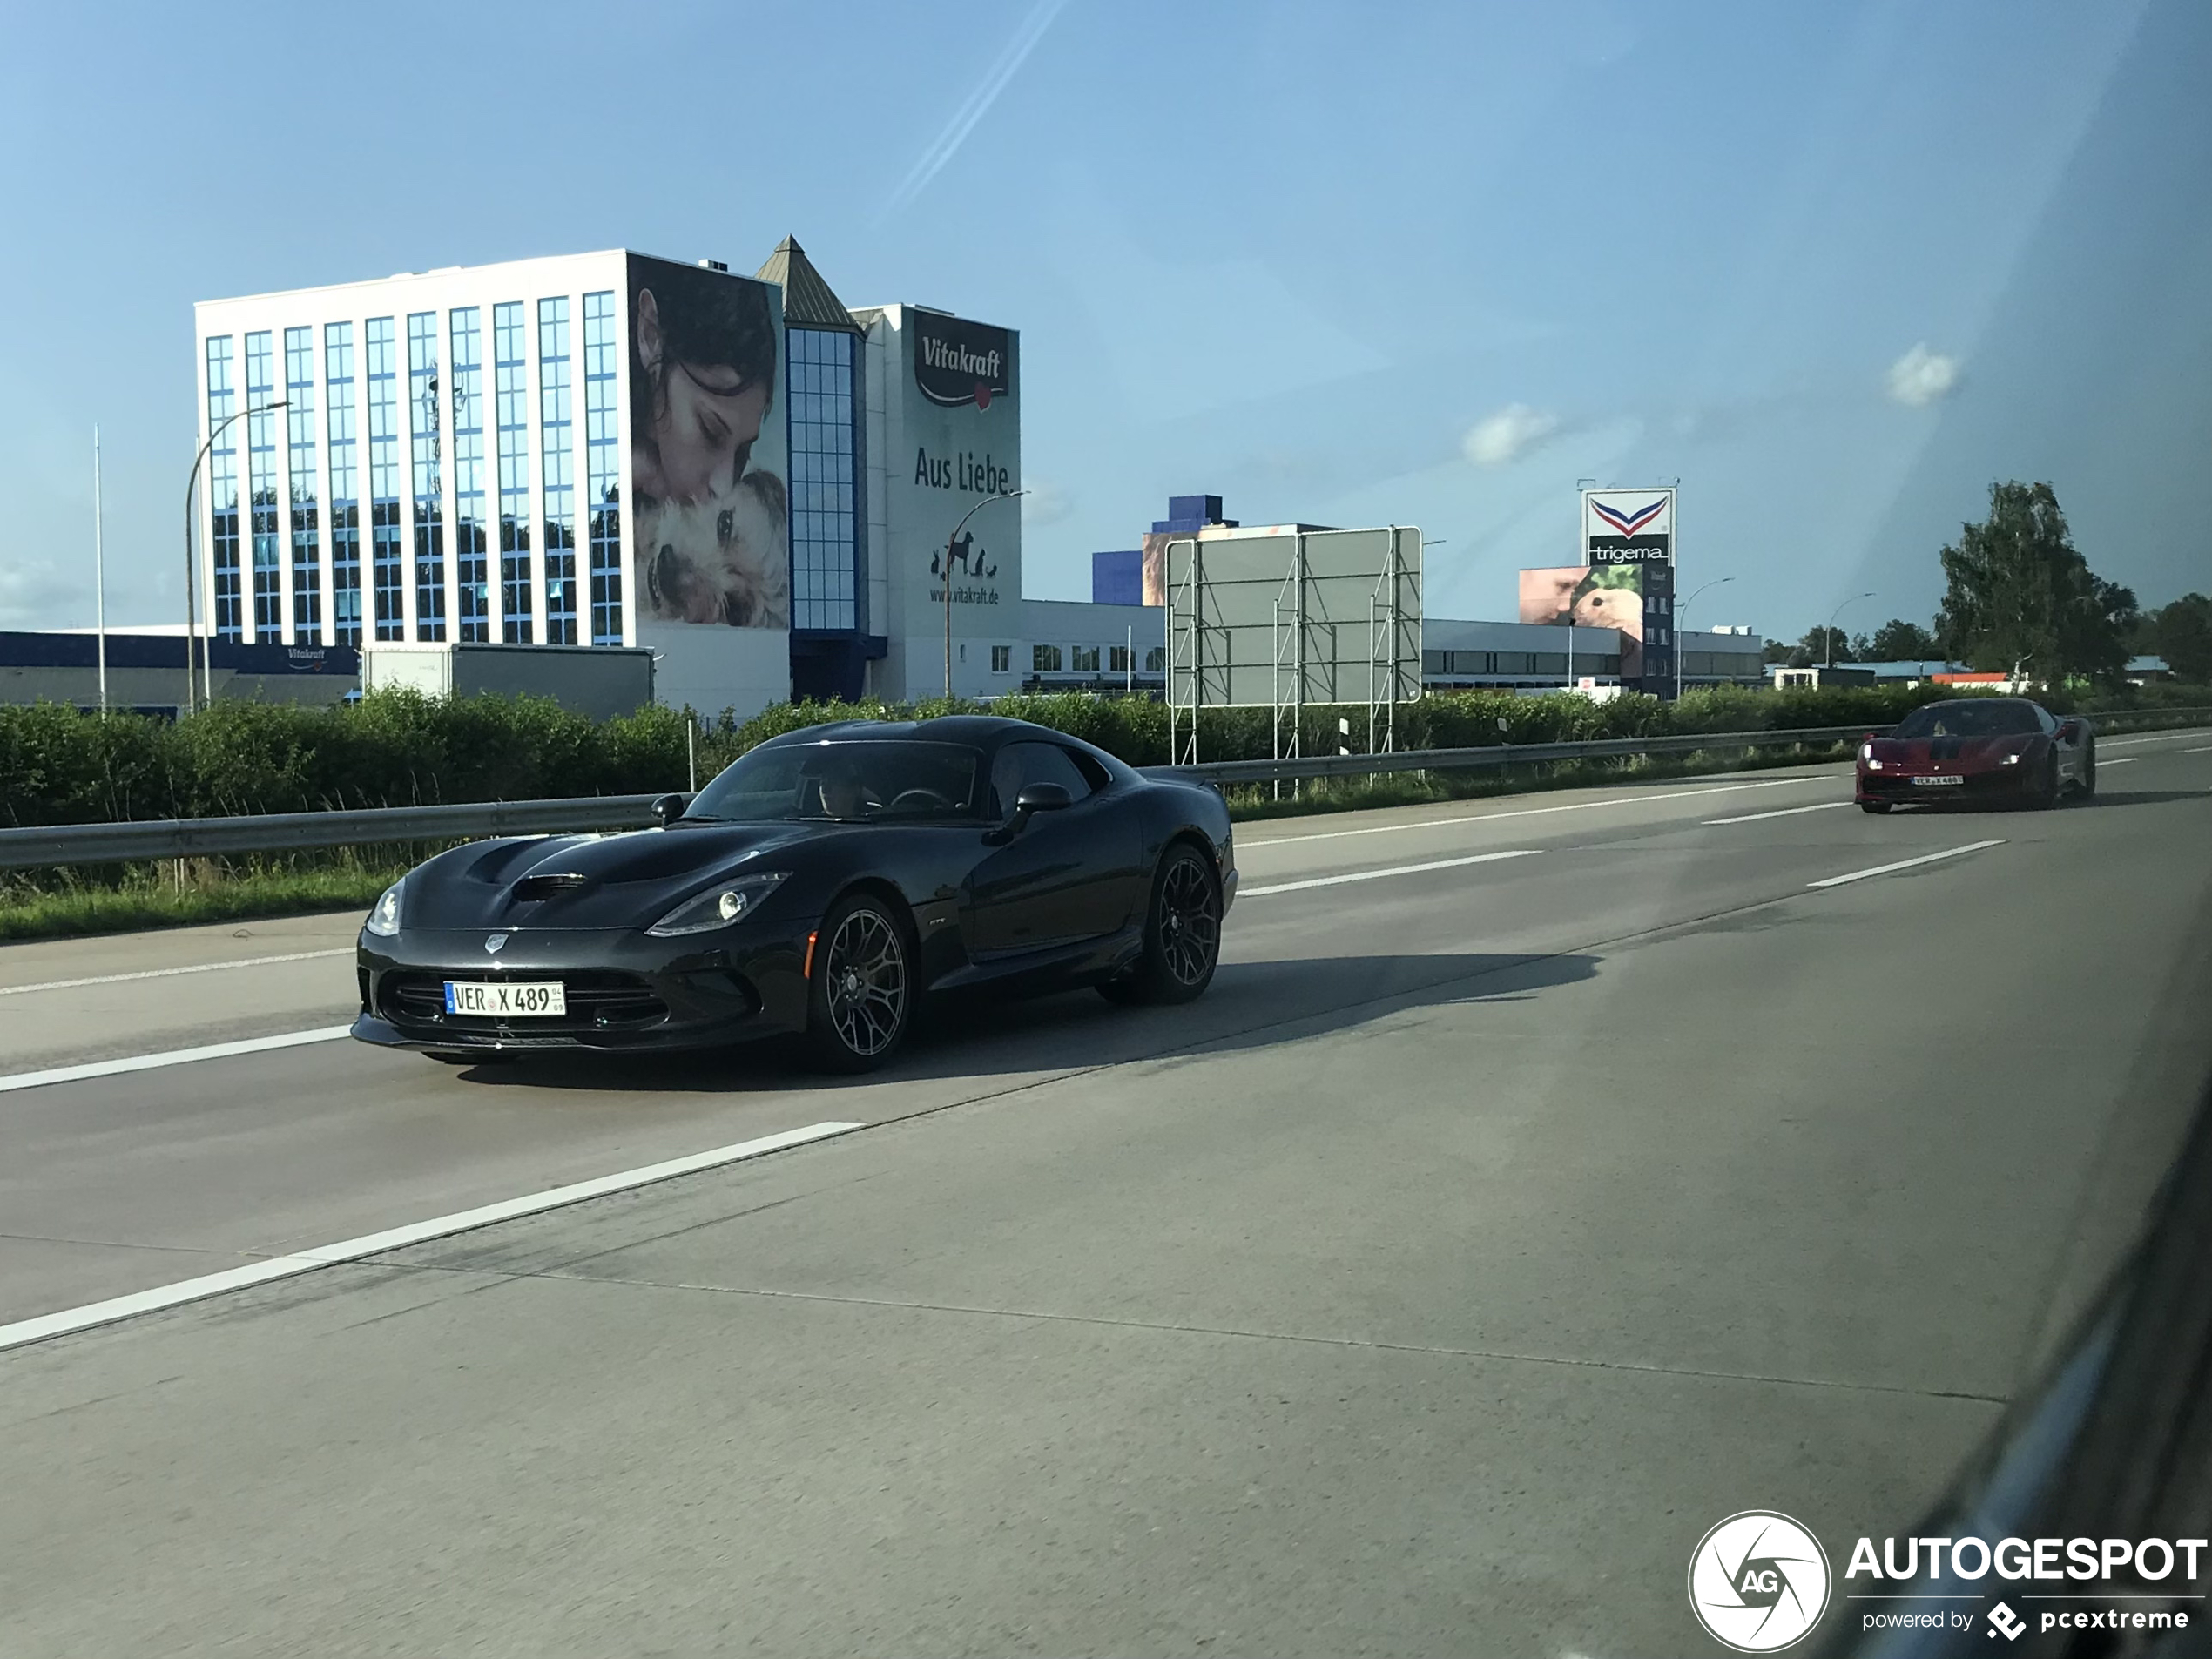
(862, 996)
(1182, 932)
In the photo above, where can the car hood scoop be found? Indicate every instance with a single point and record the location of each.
(626, 880)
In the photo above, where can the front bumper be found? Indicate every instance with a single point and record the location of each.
(1982, 785)
(626, 993)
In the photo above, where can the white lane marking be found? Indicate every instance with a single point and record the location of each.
(1905, 864)
(2164, 737)
(1525, 812)
(2129, 760)
(1785, 812)
(2207, 749)
(170, 1058)
(166, 973)
(353, 1250)
(1376, 875)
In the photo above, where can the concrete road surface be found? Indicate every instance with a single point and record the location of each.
(1541, 1181)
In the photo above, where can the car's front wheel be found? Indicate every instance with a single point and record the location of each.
(861, 993)
(1182, 932)
(1874, 806)
(2046, 792)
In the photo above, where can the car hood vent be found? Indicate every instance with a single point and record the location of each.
(534, 888)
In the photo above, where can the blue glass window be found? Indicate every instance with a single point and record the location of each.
(511, 398)
(222, 493)
(823, 417)
(387, 559)
(430, 511)
(299, 435)
(555, 436)
(262, 482)
(603, 476)
(470, 543)
(345, 503)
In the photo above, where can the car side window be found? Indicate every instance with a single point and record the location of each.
(1021, 764)
(2046, 719)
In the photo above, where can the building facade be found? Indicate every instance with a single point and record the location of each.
(602, 450)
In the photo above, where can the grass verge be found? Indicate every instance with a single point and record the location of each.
(143, 902)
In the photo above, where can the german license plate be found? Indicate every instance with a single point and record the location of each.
(514, 999)
(1925, 783)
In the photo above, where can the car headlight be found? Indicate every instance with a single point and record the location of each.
(719, 906)
(1873, 765)
(2014, 758)
(384, 916)
(1865, 752)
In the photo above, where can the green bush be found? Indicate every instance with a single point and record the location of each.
(399, 748)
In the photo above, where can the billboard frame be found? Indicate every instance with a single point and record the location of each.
(1305, 663)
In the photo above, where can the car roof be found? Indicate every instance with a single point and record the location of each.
(981, 730)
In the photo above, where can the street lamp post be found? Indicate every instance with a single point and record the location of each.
(1832, 615)
(192, 569)
(1007, 495)
(1719, 581)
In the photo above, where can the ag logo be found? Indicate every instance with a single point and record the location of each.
(1759, 1581)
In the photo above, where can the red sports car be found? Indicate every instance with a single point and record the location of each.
(1979, 749)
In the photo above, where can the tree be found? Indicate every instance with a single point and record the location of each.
(2022, 599)
(2181, 633)
(1899, 641)
(1816, 643)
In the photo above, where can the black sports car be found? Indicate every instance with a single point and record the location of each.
(1978, 749)
(821, 884)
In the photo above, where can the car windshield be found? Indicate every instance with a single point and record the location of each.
(844, 782)
(1969, 720)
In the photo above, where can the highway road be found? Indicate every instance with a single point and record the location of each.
(1543, 1179)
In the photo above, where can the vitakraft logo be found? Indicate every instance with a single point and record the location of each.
(1759, 1581)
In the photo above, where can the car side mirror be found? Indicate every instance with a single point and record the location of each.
(668, 808)
(1032, 799)
(2069, 731)
(1041, 798)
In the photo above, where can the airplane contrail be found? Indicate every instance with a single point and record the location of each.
(978, 103)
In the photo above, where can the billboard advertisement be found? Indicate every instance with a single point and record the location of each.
(1635, 529)
(955, 436)
(709, 562)
(1590, 596)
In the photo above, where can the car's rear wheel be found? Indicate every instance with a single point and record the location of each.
(1875, 805)
(1182, 932)
(860, 994)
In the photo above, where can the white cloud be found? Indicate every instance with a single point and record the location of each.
(1500, 439)
(34, 593)
(1046, 503)
(1921, 377)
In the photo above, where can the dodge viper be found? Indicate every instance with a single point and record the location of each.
(1979, 749)
(821, 886)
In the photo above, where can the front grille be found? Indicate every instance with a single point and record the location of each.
(597, 1001)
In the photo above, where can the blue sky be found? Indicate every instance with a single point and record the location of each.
(1835, 268)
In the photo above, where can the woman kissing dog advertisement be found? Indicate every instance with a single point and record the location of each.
(711, 527)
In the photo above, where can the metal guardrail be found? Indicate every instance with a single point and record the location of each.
(182, 838)
(187, 838)
(1504, 754)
